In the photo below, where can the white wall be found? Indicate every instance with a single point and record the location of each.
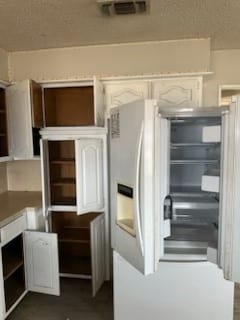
(131, 59)
(24, 175)
(111, 60)
(3, 65)
(226, 67)
(3, 177)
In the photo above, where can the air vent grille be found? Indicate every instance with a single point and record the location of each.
(123, 7)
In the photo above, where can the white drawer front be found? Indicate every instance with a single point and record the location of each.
(13, 229)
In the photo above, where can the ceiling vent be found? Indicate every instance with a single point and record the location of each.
(120, 7)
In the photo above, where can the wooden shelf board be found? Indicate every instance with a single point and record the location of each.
(77, 227)
(63, 181)
(13, 264)
(75, 265)
(71, 241)
(64, 202)
(63, 161)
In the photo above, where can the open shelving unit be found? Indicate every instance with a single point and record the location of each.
(13, 271)
(62, 172)
(74, 242)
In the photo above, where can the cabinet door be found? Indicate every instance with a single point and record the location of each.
(229, 253)
(178, 92)
(89, 175)
(45, 176)
(125, 92)
(41, 262)
(99, 107)
(18, 99)
(36, 105)
(2, 297)
(97, 253)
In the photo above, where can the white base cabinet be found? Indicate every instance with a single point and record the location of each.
(29, 262)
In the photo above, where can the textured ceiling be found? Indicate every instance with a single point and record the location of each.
(38, 24)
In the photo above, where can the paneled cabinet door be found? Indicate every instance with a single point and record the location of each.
(24, 102)
(178, 92)
(41, 261)
(2, 297)
(89, 175)
(97, 253)
(125, 92)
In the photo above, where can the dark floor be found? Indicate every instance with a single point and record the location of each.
(75, 303)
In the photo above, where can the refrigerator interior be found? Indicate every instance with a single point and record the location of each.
(193, 203)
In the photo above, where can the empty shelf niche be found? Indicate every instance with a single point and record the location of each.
(62, 172)
(74, 241)
(69, 106)
(13, 271)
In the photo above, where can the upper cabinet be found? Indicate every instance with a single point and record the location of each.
(3, 126)
(122, 92)
(182, 92)
(73, 169)
(32, 106)
(73, 104)
(179, 91)
(24, 102)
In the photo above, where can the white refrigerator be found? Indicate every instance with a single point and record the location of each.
(175, 182)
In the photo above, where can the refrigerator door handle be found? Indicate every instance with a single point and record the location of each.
(138, 173)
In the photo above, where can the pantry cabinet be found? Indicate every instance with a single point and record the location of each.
(74, 184)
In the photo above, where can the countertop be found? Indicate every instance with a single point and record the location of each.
(12, 204)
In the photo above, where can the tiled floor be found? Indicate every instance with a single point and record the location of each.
(75, 303)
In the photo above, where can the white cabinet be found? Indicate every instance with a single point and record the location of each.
(32, 106)
(117, 93)
(74, 177)
(181, 92)
(97, 253)
(29, 262)
(41, 262)
(24, 103)
(74, 169)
